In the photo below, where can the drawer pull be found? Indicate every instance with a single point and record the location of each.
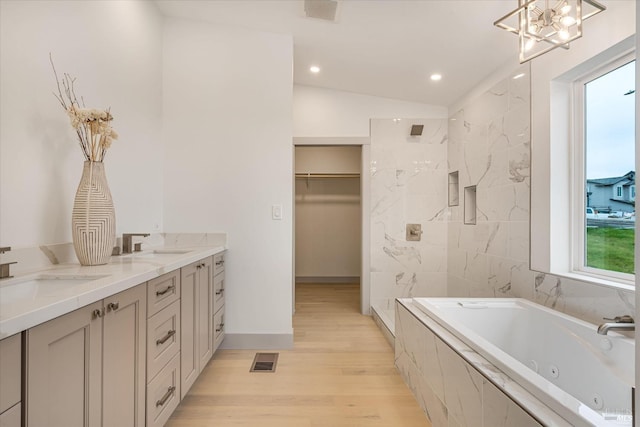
(218, 329)
(166, 396)
(166, 337)
(167, 289)
(113, 306)
(221, 262)
(220, 291)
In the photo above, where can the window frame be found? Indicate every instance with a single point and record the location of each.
(579, 186)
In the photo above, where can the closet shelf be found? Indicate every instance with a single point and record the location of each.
(327, 175)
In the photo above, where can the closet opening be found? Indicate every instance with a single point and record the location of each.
(328, 218)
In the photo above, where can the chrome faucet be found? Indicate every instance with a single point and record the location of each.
(127, 239)
(5, 272)
(620, 323)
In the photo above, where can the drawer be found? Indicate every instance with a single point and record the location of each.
(163, 338)
(218, 292)
(218, 263)
(162, 291)
(218, 328)
(10, 369)
(163, 393)
(12, 417)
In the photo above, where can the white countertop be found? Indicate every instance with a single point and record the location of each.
(28, 300)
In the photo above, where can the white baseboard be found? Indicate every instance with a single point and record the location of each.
(257, 342)
(327, 279)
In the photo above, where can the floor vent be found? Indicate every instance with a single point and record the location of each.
(264, 362)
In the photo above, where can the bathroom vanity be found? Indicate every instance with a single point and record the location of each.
(111, 345)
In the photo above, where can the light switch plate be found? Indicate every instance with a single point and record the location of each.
(276, 212)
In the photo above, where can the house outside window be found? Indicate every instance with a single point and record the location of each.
(605, 114)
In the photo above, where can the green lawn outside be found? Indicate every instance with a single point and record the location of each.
(611, 249)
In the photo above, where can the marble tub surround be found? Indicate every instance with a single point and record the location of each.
(408, 186)
(456, 386)
(489, 146)
(22, 307)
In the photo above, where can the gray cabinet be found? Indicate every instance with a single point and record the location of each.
(196, 320)
(218, 299)
(164, 337)
(10, 381)
(67, 356)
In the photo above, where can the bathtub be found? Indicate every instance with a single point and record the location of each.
(584, 377)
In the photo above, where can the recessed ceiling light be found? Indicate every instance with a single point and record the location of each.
(314, 69)
(436, 77)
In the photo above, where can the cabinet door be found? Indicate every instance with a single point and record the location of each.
(205, 312)
(64, 369)
(218, 292)
(162, 292)
(11, 417)
(123, 358)
(188, 324)
(10, 369)
(163, 338)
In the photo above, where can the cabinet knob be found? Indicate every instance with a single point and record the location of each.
(113, 306)
(98, 312)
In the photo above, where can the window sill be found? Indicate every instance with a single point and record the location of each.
(592, 279)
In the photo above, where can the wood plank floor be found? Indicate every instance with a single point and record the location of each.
(340, 373)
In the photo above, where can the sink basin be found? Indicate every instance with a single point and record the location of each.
(44, 285)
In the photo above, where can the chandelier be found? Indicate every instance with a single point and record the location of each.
(543, 25)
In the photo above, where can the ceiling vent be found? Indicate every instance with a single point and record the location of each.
(321, 9)
(416, 130)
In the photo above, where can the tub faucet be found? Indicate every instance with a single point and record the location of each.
(620, 323)
(127, 240)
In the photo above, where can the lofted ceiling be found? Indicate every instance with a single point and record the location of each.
(387, 48)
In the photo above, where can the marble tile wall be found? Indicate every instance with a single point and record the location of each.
(408, 185)
(489, 145)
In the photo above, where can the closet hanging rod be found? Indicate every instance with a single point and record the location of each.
(327, 175)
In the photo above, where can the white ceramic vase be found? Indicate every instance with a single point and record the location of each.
(93, 220)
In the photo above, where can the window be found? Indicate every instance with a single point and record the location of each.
(605, 103)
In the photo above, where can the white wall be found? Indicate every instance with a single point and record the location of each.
(227, 96)
(114, 51)
(319, 112)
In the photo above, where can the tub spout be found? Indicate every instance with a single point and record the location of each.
(620, 323)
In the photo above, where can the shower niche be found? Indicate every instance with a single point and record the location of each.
(454, 189)
(470, 205)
